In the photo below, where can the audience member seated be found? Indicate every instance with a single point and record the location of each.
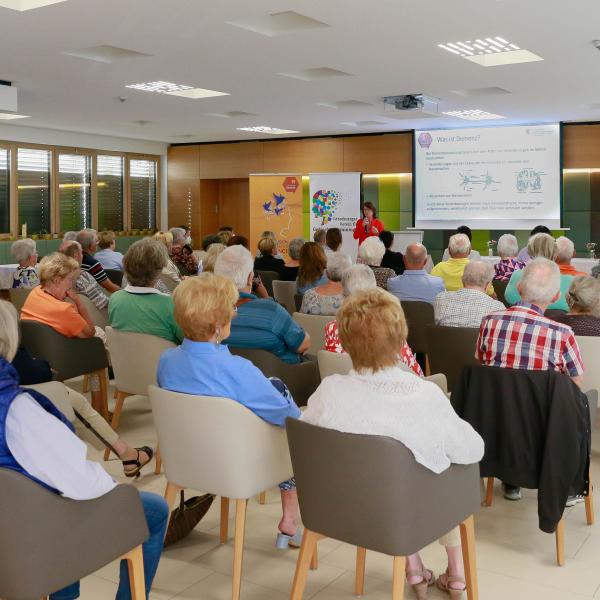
(269, 234)
(451, 270)
(260, 322)
(184, 260)
(25, 253)
(333, 240)
(523, 255)
(204, 307)
(289, 271)
(391, 260)
(565, 252)
(467, 306)
(541, 245)
(171, 270)
(39, 442)
(312, 265)
(208, 264)
(583, 299)
(267, 247)
(140, 307)
(85, 284)
(207, 242)
(368, 225)
(474, 255)
(88, 241)
(224, 236)
(415, 284)
(320, 237)
(508, 264)
(239, 240)
(327, 298)
(107, 256)
(379, 398)
(70, 236)
(371, 253)
(356, 278)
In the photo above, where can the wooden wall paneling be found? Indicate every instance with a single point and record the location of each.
(230, 161)
(581, 146)
(303, 156)
(388, 153)
(207, 214)
(234, 205)
(183, 162)
(183, 168)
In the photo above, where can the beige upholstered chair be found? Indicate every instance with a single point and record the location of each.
(283, 292)
(98, 316)
(169, 282)
(58, 394)
(135, 359)
(590, 351)
(218, 446)
(18, 297)
(314, 325)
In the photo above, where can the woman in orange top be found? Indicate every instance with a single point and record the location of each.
(369, 225)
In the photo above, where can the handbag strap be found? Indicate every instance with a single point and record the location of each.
(89, 426)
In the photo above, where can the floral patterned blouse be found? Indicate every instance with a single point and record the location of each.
(314, 303)
(25, 277)
(334, 344)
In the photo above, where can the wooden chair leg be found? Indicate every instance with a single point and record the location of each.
(314, 560)
(223, 534)
(589, 505)
(398, 578)
(560, 543)
(158, 461)
(86, 384)
(489, 495)
(467, 538)
(101, 405)
(262, 498)
(307, 552)
(359, 584)
(135, 566)
(170, 493)
(238, 547)
(116, 418)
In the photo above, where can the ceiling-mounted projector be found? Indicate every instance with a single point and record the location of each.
(8, 97)
(410, 106)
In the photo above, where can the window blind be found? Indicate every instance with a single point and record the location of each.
(142, 177)
(74, 184)
(109, 170)
(4, 190)
(33, 174)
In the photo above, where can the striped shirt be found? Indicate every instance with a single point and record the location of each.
(504, 269)
(520, 337)
(94, 268)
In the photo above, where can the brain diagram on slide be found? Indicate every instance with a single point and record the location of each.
(526, 180)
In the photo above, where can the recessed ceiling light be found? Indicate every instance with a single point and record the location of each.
(232, 114)
(269, 130)
(482, 91)
(11, 116)
(105, 54)
(490, 52)
(315, 74)
(278, 23)
(344, 104)
(473, 115)
(363, 123)
(27, 4)
(175, 89)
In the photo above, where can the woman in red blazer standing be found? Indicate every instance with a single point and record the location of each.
(369, 225)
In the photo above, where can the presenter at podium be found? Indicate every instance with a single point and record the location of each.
(369, 225)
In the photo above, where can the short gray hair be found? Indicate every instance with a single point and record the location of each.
(87, 238)
(371, 251)
(208, 263)
(178, 234)
(70, 236)
(358, 277)
(540, 281)
(235, 263)
(459, 243)
(478, 274)
(320, 235)
(23, 249)
(541, 245)
(294, 248)
(415, 254)
(337, 264)
(584, 295)
(565, 249)
(508, 247)
(144, 261)
(9, 331)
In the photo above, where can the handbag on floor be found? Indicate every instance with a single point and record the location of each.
(186, 516)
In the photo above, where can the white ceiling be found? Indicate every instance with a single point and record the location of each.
(388, 46)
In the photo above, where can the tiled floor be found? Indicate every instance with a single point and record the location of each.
(515, 559)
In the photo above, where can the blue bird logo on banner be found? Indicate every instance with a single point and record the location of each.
(277, 207)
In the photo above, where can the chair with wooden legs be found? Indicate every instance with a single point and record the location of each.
(314, 325)
(135, 359)
(219, 446)
(350, 488)
(48, 542)
(283, 292)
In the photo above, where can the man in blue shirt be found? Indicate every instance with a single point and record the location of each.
(260, 323)
(415, 284)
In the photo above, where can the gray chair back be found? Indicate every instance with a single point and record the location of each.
(298, 301)
(500, 289)
(169, 282)
(370, 492)
(47, 542)
(314, 325)
(283, 292)
(115, 276)
(98, 316)
(267, 278)
(18, 296)
(450, 349)
(302, 379)
(418, 316)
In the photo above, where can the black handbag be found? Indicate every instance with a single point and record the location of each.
(186, 516)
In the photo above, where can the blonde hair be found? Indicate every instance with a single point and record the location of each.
(371, 324)
(105, 239)
(208, 264)
(542, 245)
(584, 295)
(266, 245)
(203, 304)
(9, 331)
(56, 266)
(224, 237)
(165, 237)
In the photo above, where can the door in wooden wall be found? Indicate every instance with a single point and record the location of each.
(234, 205)
(209, 206)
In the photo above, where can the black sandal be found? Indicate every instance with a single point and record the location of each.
(138, 466)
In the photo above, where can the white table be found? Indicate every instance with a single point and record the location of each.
(581, 264)
(6, 276)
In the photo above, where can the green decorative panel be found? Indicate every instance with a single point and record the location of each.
(391, 220)
(389, 194)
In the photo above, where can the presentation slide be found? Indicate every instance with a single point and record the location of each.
(488, 177)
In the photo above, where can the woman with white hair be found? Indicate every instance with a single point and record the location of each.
(371, 253)
(583, 299)
(355, 279)
(289, 271)
(508, 248)
(25, 254)
(327, 298)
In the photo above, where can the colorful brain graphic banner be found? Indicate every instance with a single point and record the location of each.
(324, 203)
